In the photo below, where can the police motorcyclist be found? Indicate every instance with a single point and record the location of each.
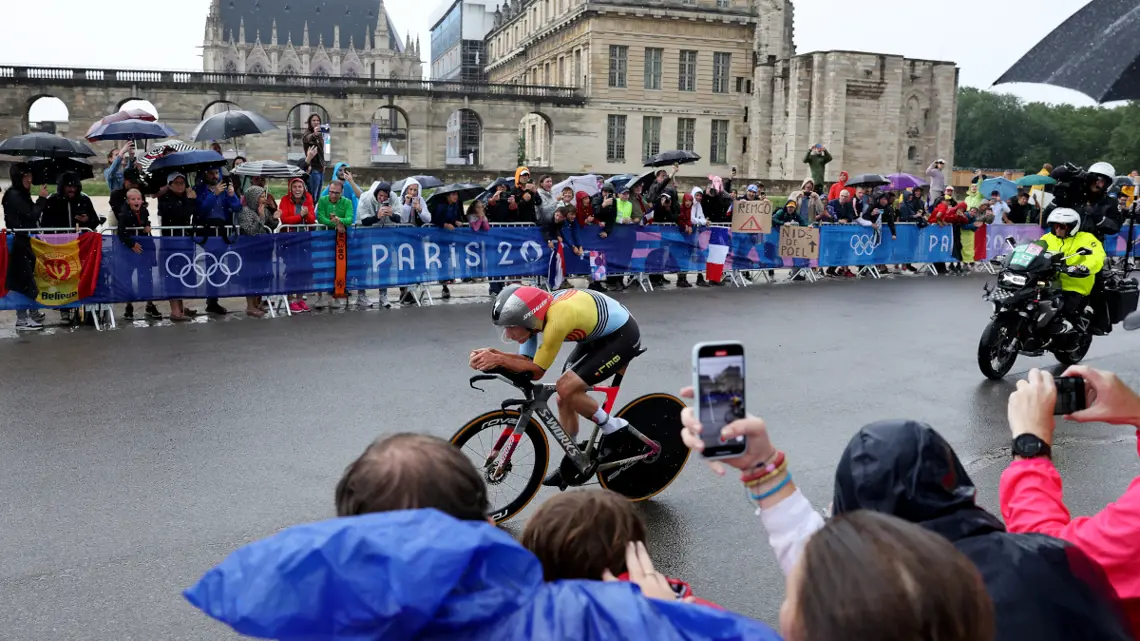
(1078, 276)
(1101, 212)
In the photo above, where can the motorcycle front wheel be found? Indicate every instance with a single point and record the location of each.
(996, 353)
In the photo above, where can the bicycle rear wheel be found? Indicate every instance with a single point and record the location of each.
(657, 416)
(511, 491)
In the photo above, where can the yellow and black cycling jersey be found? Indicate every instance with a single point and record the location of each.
(577, 315)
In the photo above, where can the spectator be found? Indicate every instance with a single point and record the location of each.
(943, 207)
(807, 201)
(1046, 170)
(974, 198)
(998, 206)
(477, 216)
(842, 210)
(871, 576)
(134, 232)
(297, 209)
(448, 212)
(241, 183)
(691, 219)
(752, 193)
(525, 196)
(935, 177)
(1041, 588)
(351, 191)
(334, 211)
(130, 180)
(588, 534)
(375, 210)
(501, 207)
(859, 198)
(788, 215)
(20, 212)
(661, 183)
(817, 158)
(606, 215)
(641, 204)
(69, 207)
(1031, 488)
(177, 207)
(913, 209)
(218, 203)
(546, 199)
(254, 219)
(833, 193)
(877, 212)
(562, 228)
(313, 144)
(412, 471)
(1019, 210)
(118, 160)
(624, 207)
(716, 201)
(665, 210)
(584, 208)
(412, 206)
(959, 217)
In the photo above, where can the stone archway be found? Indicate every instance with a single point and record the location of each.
(219, 106)
(464, 138)
(296, 123)
(139, 103)
(390, 143)
(48, 114)
(536, 134)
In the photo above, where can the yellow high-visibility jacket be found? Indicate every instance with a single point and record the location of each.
(1070, 245)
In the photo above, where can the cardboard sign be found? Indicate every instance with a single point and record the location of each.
(799, 242)
(752, 216)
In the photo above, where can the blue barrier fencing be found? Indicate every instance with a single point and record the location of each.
(304, 262)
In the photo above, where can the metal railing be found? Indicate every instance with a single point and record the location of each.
(54, 76)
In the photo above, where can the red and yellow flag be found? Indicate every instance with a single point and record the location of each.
(67, 272)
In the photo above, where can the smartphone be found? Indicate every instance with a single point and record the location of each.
(1070, 395)
(718, 391)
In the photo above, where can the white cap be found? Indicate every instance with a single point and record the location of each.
(175, 176)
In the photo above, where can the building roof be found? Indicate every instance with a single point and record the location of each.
(357, 19)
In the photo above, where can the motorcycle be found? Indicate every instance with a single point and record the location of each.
(1027, 301)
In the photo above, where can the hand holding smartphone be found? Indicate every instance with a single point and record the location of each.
(1071, 396)
(718, 387)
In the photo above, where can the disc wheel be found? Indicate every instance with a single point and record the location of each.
(507, 493)
(657, 416)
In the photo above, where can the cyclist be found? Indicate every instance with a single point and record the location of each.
(608, 339)
(1065, 237)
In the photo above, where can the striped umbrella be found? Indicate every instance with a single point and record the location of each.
(159, 150)
(268, 169)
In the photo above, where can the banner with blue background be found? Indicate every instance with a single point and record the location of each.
(304, 262)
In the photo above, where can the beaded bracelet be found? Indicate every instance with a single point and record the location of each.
(756, 498)
(763, 469)
(767, 478)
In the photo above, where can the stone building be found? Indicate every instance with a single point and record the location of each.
(345, 38)
(721, 78)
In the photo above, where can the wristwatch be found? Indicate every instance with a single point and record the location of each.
(1030, 446)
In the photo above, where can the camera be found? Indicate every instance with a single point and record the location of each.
(1071, 395)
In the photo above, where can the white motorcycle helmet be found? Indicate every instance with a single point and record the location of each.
(1103, 169)
(1065, 216)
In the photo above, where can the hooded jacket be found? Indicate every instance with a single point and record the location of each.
(874, 213)
(833, 193)
(814, 207)
(250, 221)
(717, 201)
(526, 200)
(349, 193)
(20, 212)
(218, 209)
(445, 212)
(368, 209)
(1042, 588)
(407, 209)
(783, 216)
(697, 216)
(291, 212)
(60, 211)
(392, 576)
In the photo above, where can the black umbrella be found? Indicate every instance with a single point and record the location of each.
(643, 179)
(466, 192)
(490, 190)
(231, 124)
(46, 171)
(185, 162)
(43, 145)
(268, 169)
(674, 157)
(1095, 52)
(426, 182)
(868, 180)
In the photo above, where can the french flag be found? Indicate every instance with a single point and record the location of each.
(556, 271)
(719, 239)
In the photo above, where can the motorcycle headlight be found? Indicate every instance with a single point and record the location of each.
(1017, 280)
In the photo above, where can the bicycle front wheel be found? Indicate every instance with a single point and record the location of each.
(657, 416)
(511, 485)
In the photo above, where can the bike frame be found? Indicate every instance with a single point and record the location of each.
(537, 405)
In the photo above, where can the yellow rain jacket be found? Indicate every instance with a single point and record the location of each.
(1070, 245)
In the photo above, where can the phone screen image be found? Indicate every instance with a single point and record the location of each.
(720, 395)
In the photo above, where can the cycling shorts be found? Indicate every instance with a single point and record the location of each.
(597, 360)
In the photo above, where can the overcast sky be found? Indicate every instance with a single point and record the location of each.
(985, 37)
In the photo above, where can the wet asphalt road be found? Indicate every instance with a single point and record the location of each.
(133, 460)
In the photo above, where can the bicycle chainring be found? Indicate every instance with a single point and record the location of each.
(572, 476)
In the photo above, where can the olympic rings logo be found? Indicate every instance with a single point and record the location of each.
(864, 245)
(203, 267)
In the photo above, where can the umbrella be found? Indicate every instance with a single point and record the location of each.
(618, 181)
(902, 182)
(121, 115)
(868, 180)
(426, 182)
(674, 157)
(230, 124)
(587, 183)
(45, 146)
(1095, 52)
(643, 179)
(130, 130)
(509, 181)
(466, 192)
(46, 171)
(161, 149)
(269, 169)
(1121, 182)
(1006, 188)
(1033, 180)
(184, 162)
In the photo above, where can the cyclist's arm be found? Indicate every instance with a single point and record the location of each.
(521, 364)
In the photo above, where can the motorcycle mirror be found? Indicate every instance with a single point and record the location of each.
(1011, 240)
(1132, 321)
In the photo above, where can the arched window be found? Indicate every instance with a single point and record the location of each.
(351, 72)
(258, 69)
(231, 67)
(912, 153)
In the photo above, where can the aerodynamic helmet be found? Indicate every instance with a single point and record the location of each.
(521, 306)
(1065, 216)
